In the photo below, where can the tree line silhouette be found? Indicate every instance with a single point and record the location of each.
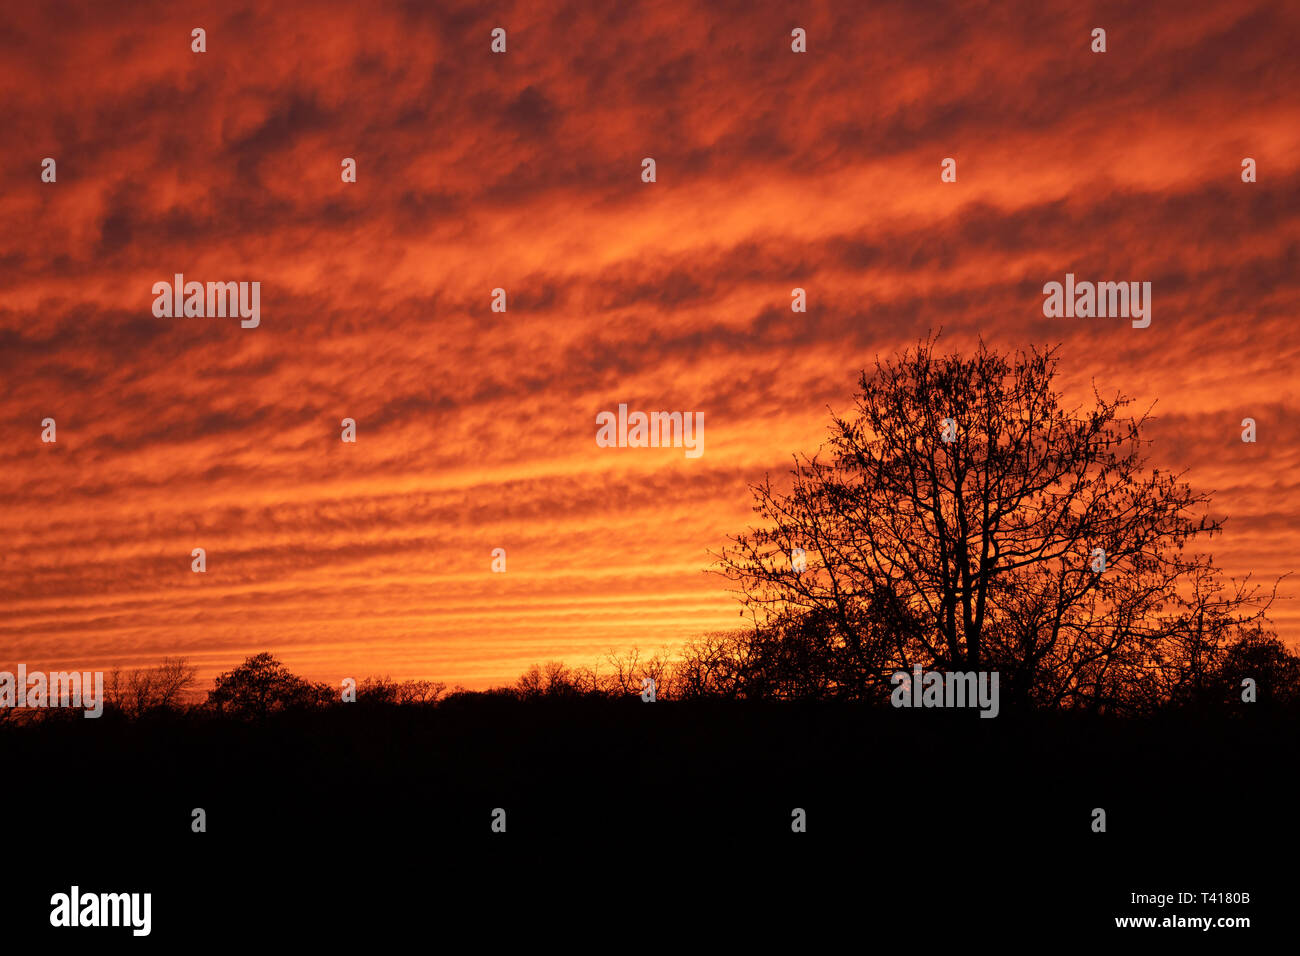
(794, 662)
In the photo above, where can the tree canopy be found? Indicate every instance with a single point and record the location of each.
(961, 517)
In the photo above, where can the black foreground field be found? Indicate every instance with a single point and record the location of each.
(649, 824)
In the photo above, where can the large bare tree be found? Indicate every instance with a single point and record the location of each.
(962, 518)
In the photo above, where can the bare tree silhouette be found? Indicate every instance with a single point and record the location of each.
(720, 664)
(963, 519)
(386, 691)
(136, 692)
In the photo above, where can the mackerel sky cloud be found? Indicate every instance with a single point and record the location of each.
(522, 171)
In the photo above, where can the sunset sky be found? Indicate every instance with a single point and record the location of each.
(523, 171)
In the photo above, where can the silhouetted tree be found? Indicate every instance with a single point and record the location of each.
(629, 671)
(377, 690)
(719, 664)
(963, 519)
(420, 691)
(623, 676)
(136, 692)
(262, 685)
(551, 679)
(1260, 656)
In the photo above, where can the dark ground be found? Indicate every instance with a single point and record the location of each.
(662, 825)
